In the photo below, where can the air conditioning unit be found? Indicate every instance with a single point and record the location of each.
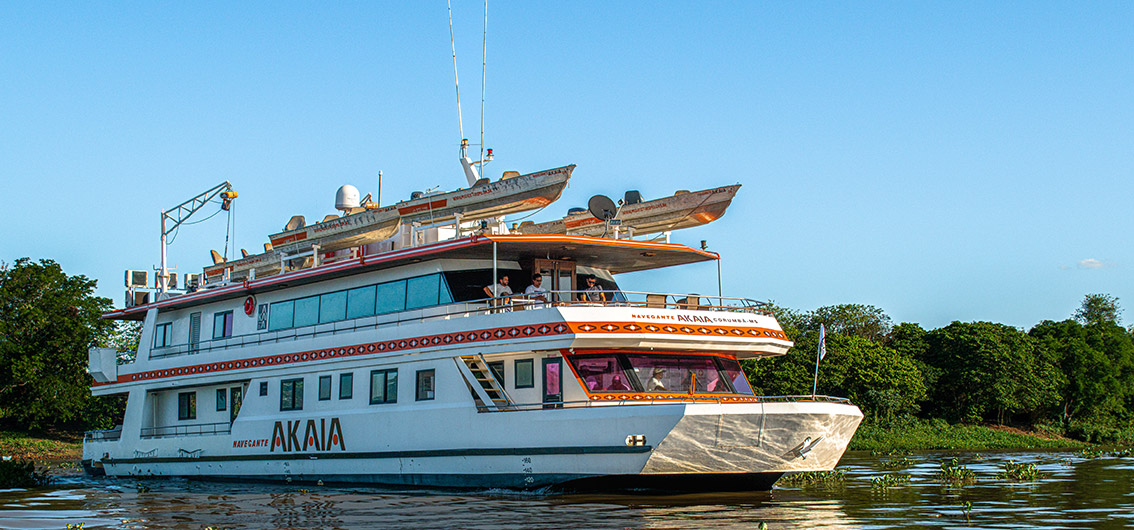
(192, 281)
(134, 298)
(137, 279)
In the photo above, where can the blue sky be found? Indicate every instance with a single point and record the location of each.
(942, 161)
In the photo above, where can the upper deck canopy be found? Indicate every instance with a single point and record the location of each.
(615, 255)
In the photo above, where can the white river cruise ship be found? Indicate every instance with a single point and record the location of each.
(366, 349)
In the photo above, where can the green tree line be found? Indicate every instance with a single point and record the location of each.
(1075, 376)
(48, 321)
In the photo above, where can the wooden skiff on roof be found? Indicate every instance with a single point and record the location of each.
(682, 210)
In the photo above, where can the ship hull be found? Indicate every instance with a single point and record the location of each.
(685, 447)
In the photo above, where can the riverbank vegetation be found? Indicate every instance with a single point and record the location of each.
(967, 385)
(1059, 384)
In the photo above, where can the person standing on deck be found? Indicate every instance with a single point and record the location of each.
(498, 289)
(593, 292)
(536, 292)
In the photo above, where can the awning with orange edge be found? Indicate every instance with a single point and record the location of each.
(616, 255)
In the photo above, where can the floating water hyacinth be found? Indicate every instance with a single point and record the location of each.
(955, 473)
(1020, 471)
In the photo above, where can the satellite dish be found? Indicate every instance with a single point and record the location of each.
(602, 207)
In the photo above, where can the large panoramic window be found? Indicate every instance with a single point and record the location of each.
(291, 394)
(643, 372)
(389, 297)
(604, 373)
(383, 386)
(332, 307)
(360, 302)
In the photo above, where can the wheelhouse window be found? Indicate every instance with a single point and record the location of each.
(291, 394)
(222, 324)
(383, 386)
(425, 387)
(163, 335)
(324, 388)
(524, 373)
(641, 372)
(346, 385)
(187, 406)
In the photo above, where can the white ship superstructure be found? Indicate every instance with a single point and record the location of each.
(389, 365)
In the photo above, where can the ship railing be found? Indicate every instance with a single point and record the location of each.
(675, 400)
(199, 429)
(640, 299)
(106, 435)
(483, 306)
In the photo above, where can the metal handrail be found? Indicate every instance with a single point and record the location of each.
(197, 429)
(108, 435)
(722, 400)
(482, 306)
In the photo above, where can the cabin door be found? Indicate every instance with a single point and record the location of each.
(558, 275)
(552, 383)
(235, 396)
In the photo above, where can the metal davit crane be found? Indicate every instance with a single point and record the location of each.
(182, 212)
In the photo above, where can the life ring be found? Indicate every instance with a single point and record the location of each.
(249, 305)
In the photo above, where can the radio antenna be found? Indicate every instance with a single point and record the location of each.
(456, 83)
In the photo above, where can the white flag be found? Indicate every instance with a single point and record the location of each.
(822, 342)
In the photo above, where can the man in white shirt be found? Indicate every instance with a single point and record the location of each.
(536, 292)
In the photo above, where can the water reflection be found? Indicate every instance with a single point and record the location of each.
(1075, 493)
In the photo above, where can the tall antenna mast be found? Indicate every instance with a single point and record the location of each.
(483, 69)
(456, 83)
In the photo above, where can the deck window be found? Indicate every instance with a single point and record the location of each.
(222, 324)
(324, 388)
(604, 373)
(281, 315)
(524, 373)
(425, 385)
(346, 385)
(221, 394)
(383, 386)
(391, 297)
(307, 311)
(422, 291)
(291, 394)
(360, 302)
(731, 369)
(332, 307)
(263, 388)
(163, 335)
(663, 373)
(187, 406)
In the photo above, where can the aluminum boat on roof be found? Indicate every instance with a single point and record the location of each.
(684, 209)
(391, 367)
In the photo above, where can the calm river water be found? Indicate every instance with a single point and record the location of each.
(1076, 492)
